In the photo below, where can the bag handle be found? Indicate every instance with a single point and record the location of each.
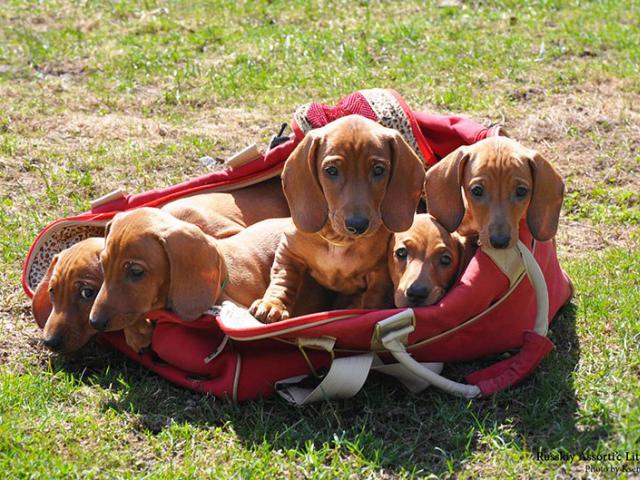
(391, 333)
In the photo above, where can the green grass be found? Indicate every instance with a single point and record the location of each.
(203, 53)
(100, 95)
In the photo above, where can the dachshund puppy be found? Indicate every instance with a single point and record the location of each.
(64, 297)
(223, 214)
(425, 261)
(486, 188)
(154, 261)
(348, 184)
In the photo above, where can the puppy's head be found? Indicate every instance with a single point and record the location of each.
(496, 181)
(151, 261)
(423, 262)
(63, 299)
(354, 174)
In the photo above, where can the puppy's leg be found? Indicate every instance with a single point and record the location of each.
(138, 335)
(286, 277)
(379, 292)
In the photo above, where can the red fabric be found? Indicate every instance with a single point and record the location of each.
(515, 369)
(319, 114)
(446, 133)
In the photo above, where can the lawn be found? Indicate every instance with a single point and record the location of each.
(99, 95)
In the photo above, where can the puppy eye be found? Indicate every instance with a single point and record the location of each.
(331, 171)
(521, 192)
(87, 293)
(477, 191)
(136, 272)
(378, 171)
(445, 260)
(401, 253)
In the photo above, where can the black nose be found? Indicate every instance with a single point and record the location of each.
(417, 293)
(53, 342)
(500, 240)
(99, 322)
(357, 224)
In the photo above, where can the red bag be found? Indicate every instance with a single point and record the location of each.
(493, 308)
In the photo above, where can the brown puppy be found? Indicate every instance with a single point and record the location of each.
(347, 185)
(425, 261)
(487, 188)
(223, 214)
(153, 261)
(63, 299)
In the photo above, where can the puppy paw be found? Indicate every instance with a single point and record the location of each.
(269, 311)
(138, 336)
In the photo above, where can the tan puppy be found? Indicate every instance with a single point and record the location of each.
(223, 214)
(425, 261)
(64, 297)
(347, 185)
(153, 261)
(487, 188)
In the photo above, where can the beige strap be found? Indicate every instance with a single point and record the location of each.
(540, 288)
(218, 350)
(344, 379)
(109, 197)
(411, 382)
(393, 342)
(244, 156)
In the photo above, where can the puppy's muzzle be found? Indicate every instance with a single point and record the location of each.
(417, 294)
(100, 322)
(501, 240)
(54, 342)
(356, 224)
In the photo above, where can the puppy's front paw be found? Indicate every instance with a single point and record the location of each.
(138, 336)
(269, 311)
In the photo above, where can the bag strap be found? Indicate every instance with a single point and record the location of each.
(344, 380)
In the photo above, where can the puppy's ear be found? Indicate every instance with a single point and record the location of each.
(546, 199)
(195, 266)
(442, 187)
(41, 302)
(405, 185)
(309, 210)
(107, 229)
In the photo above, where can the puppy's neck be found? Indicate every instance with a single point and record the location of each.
(329, 235)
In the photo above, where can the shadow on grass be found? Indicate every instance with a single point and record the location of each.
(383, 424)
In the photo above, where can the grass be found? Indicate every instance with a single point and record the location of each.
(98, 95)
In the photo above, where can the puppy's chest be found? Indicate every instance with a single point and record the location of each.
(345, 269)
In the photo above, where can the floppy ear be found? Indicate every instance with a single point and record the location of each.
(195, 266)
(301, 186)
(107, 229)
(405, 186)
(41, 302)
(546, 199)
(442, 186)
